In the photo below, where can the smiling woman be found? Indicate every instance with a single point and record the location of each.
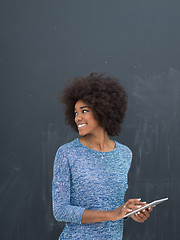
(90, 173)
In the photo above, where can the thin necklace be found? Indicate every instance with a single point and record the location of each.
(101, 153)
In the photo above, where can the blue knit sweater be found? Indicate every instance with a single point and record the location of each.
(88, 179)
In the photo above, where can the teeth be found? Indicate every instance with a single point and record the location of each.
(81, 125)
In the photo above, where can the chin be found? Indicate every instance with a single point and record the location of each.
(82, 134)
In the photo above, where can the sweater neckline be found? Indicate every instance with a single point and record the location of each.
(96, 151)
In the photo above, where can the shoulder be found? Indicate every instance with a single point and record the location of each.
(67, 148)
(63, 154)
(123, 148)
(124, 151)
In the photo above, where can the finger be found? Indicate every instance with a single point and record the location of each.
(135, 200)
(142, 216)
(145, 212)
(138, 218)
(150, 209)
(135, 205)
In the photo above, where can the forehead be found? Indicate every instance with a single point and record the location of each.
(80, 104)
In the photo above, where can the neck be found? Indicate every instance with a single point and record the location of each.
(100, 142)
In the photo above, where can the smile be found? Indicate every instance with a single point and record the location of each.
(81, 125)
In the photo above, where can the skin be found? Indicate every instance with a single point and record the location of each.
(98, 139)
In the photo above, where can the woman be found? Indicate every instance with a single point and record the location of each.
(90, 173)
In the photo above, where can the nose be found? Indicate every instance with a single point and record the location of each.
(78, 118)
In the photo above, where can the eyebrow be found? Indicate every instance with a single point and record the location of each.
(82, 107)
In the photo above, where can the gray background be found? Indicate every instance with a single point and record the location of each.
(45, 43)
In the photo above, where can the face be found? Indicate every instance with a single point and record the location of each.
(84, 119)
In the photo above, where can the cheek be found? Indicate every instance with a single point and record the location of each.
(93, 121)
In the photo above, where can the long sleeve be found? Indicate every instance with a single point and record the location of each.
(62, 209)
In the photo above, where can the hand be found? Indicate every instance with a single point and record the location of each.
(129, 206)
(142, 216)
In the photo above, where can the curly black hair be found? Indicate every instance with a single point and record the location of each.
(105, 96)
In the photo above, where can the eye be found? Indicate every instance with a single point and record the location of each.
(75, 113)
(84, 111)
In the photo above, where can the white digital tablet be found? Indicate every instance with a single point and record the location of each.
(152, 204)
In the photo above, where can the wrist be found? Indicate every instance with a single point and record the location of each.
(110, 216)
